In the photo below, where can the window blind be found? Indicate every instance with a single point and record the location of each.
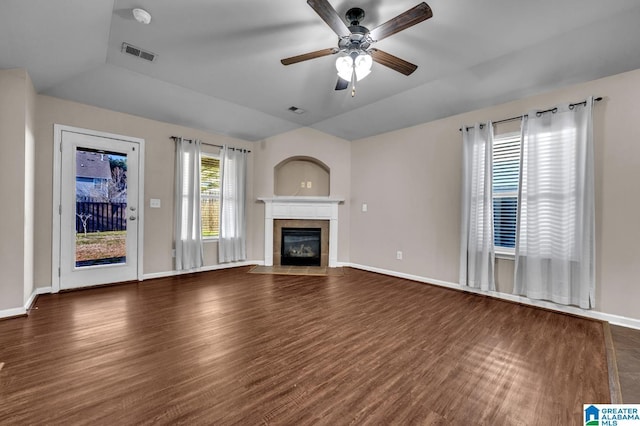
(210, 196)
(506, 171)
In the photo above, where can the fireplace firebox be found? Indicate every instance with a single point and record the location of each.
(300, 246)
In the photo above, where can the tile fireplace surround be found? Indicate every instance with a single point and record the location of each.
(301, 209)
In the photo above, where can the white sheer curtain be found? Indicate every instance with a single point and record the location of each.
(477, 256)
(188, 243)
(555, 243)
(232, 240)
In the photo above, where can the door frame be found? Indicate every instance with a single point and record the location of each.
(58, 129)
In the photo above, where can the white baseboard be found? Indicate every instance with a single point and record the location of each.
(202, 269)
(30, 300)
(36, 292)
(611, 318)
(14, 312)
(602, 316)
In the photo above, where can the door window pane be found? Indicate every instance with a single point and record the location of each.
(101, 208)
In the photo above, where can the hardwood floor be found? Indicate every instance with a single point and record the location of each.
(627, 346)
(229, 347)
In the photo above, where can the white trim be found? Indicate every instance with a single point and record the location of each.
(304, 208)
(141, 206)
(203, 269)
(36, 292)
(55, 208)
(611, 318)
(301, 199)
(14, 312)
(504, 254)
(30, 300)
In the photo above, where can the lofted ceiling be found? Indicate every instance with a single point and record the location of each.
(218, 66)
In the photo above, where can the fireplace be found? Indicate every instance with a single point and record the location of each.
(301, 212)
(300, 246)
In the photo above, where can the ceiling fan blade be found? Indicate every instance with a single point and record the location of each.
(342, 84)
(310, 55)
(401, 22)
(393, 62)
(330, 16)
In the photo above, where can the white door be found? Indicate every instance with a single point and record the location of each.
(99, 212)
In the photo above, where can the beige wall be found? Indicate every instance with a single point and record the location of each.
(333, 152)
(158, 176)
(29, 189)
(293, 174)
(410, 180)
(16, 175)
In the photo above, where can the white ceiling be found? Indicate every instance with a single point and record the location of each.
(218, 66)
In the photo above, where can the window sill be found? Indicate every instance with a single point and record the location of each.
(210, 240)
(505, 255)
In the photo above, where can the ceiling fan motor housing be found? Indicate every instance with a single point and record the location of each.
(358, 40)
(354, 15)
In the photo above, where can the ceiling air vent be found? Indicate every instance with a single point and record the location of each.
(136, 51)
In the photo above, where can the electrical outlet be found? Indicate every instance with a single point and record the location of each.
(309, 185)
(303, 184)
(364, 207)
(399, 255)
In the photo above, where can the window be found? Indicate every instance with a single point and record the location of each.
(210, 196)
(506, 171)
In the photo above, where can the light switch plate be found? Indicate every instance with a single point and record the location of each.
(154, 203)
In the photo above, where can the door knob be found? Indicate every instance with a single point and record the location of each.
(132, 217)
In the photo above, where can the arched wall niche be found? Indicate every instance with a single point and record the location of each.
(301, 176)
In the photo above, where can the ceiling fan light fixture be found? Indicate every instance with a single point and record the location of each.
(344, 65)
(362, 65)
(141, 16)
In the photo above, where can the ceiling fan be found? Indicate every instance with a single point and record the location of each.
(356, 42)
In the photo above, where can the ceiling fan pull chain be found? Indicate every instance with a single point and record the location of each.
(353, 81)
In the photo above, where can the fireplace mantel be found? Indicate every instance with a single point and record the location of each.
(311, 208)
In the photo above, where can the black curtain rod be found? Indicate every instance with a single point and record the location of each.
(210, 144)
(538, 113)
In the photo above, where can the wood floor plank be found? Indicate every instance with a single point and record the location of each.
(626, 342)
(229, 347)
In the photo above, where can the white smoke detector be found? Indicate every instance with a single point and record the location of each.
(141, 16)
